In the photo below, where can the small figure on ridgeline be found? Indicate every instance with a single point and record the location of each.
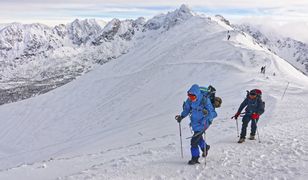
(263, 69)
(228, 35)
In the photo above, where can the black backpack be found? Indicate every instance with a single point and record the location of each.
(259, 96)
(210, 93)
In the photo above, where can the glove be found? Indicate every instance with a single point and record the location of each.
(178, 118)
(205, 112)
(255, 116)
(236, 115)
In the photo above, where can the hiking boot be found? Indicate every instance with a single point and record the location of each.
(252, 137)
(194, 160)
(241, 140)
(205, 153)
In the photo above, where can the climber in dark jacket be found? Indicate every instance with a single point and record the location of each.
(254, 108)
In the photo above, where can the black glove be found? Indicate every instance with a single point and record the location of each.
(236, 115)
(178, 118)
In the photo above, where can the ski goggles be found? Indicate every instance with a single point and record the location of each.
(192, 97)
(252, 95)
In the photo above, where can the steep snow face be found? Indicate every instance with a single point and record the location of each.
(117, 121)
(295, 52)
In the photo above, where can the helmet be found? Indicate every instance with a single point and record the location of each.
(255, 92)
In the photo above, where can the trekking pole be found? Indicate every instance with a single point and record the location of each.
(238, 135)
(285, 91)
(204, 148)
(180, 128)
(191, 131)
(257, 131)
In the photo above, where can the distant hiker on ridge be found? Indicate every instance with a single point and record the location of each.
(228, 35)
(254, 108)
(261, 69)
(198, 105)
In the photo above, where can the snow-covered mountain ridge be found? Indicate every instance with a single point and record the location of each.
(293, 51)
(36, 58)
(117, 121)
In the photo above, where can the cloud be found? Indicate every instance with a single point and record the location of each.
(293, 28)
(286, 14)
(25, 12)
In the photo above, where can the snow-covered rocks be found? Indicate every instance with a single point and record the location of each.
(80, 32)
(171, 19)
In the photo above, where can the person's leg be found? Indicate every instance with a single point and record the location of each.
(201, 143)
(253, 129)
(195, 154)
(245, 121)
(204, 147)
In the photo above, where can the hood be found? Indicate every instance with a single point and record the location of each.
(195, 89)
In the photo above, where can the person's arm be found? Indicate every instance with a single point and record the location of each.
(186, 109)
(242, 106)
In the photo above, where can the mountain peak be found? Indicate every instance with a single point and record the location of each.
(185, 8)
(183, 12)
(170, 19)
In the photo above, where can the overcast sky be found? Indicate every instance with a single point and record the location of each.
(289, 17)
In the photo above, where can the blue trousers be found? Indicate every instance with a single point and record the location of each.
(197, 142)
(245, 121)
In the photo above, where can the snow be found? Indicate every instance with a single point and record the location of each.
(117, 121)
(295, 52)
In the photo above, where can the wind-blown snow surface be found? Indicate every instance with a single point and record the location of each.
(117, 122)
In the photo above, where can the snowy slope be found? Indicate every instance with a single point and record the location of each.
(117, 122)
(295, 52)
(36, 58)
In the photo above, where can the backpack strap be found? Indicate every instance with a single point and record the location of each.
(203, 101)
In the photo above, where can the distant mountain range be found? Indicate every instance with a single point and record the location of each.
(35, 58)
